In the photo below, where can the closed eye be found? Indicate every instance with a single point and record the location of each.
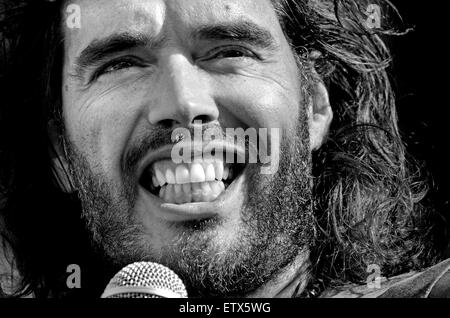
(116, 65)
(231, 52)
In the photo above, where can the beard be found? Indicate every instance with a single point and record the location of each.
(276, 223)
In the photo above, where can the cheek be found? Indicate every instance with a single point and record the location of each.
(261, 102)
(101, 129)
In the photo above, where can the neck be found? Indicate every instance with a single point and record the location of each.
(290, 282)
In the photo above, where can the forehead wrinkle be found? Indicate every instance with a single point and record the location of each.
(220, 12)
(143, 14)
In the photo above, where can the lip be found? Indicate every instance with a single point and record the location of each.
(166, 152)
(193, 211)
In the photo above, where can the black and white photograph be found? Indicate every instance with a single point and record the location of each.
(224, 149)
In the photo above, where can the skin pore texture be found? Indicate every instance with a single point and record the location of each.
(164, 64)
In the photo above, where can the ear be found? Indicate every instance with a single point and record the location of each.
(60, 166)
(321, 115)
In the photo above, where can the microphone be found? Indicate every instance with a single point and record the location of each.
(145, 280)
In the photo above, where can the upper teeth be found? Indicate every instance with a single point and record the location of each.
(168, 172)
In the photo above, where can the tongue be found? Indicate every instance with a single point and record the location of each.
(191, 192)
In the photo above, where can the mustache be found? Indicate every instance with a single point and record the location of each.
(158, 137)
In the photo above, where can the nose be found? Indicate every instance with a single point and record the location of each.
(184, 95)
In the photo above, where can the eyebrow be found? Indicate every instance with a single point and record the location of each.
(99, 50)
(242, 31)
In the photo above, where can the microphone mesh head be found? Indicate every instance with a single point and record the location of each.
(146, 274)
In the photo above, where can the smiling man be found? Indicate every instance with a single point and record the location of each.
(162, 65)
(99, 104)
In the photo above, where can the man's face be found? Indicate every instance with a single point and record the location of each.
(138, 69)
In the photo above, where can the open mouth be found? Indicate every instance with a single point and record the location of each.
(199, 181)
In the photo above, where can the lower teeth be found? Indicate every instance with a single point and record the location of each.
(191, 192)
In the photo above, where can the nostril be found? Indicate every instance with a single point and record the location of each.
(203, 118)
(167, 123)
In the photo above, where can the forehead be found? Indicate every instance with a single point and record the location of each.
(101, 18)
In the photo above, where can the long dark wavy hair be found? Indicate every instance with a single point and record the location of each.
(370, 198)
